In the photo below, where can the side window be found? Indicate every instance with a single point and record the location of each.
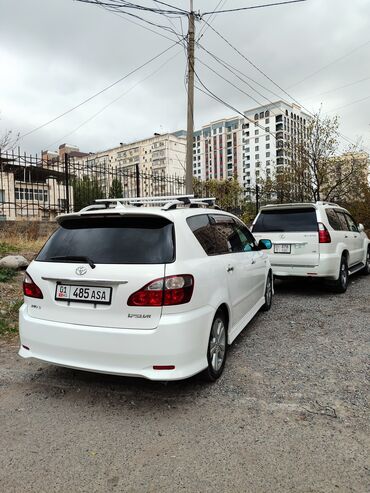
(201, 227)
(342, 221)
(227, 239)
(247, 240)
(333, 219)
(351, 223)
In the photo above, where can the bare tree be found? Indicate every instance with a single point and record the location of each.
(8, 140)
(316, 169)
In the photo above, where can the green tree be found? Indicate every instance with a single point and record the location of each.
(116, 189)
(85, 192)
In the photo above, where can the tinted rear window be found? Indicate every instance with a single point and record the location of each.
(126, 240)
(288, 221)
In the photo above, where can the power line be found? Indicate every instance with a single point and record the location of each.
(204, 28)
(329, 64)
(349, 104)
(340, 87)
(113, 101)
(270, 79)
(118, 5)
(172, 6)
(99, 92)
(254, 7)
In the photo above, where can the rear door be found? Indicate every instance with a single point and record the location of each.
(126, 253)
(242, 273)
(294, 235)
(357, 251)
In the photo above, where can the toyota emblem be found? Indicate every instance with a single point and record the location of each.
(80, 271)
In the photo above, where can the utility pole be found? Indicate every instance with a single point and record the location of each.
(190, 122)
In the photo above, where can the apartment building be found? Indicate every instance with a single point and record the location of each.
(217, 150)
(269, 135)
(249, 148)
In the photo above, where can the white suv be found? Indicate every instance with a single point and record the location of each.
(155, 292)
(314, 239)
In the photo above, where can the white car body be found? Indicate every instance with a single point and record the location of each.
(316, 250)
(132, 340)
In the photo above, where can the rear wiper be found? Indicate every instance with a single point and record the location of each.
(76, 259)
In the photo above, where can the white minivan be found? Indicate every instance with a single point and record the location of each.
(314, 240)
(156, 292)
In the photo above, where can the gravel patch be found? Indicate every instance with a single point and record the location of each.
(290, 414)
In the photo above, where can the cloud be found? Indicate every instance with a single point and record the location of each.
(54, 54)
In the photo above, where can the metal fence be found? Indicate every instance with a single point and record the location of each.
(33, 188)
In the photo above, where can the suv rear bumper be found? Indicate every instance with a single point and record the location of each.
(180, 340)
(328, 268)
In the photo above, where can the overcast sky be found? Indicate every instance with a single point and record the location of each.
(56, 53)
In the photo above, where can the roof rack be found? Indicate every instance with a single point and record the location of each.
(167, 202)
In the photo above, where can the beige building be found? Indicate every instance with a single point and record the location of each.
(31, 191)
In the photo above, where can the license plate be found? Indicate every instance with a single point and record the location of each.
(83, 294)
(282, 248)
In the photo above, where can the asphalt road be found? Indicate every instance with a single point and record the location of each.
(290, 414)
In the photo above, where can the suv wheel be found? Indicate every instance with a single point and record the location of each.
(217, 348)
(268, 293)
(341, 284)
(366, 269)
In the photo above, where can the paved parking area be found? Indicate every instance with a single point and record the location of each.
(290, 414)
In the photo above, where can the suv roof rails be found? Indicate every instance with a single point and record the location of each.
(168, 202)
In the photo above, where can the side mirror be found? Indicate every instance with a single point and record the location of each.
(361, 228)
(265, 244)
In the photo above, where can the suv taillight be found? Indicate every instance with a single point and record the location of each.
(170, 290)
(31, 289)
(324, 235)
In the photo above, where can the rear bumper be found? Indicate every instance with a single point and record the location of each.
(180, 340)
(328, 268)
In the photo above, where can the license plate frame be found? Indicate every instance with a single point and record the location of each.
(283, 248)
(91, 300)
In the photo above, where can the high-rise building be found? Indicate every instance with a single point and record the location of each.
(217, 150)
(270, 134)
(249, 148)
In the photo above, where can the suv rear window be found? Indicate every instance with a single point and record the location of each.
(286, 220)
(106, 240)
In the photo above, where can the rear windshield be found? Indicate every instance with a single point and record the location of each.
(287, 221)
(124, 240)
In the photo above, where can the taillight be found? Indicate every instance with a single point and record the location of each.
(170, 290)
(324, 235)
(31, 289)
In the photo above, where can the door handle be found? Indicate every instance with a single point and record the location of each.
(230, 269)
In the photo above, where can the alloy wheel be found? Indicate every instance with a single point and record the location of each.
(217, 345)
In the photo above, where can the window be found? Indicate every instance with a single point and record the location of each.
(267, 129)
(334, 221)
(267, 113)
(342, 221)
(256, 132)
(268, 154)
(257, 156)
(267, 137)
(201, 227)
(267, 146)
(124, 240)
(267, 120)
(351, 223)
(286, 220)
(262, 114)
(231, 237)
(256, 116)
(256, 140)
(2, 196)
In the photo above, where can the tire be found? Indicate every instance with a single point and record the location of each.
(366, 270)
(268, 293)
(341, 284)
(217, 348)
